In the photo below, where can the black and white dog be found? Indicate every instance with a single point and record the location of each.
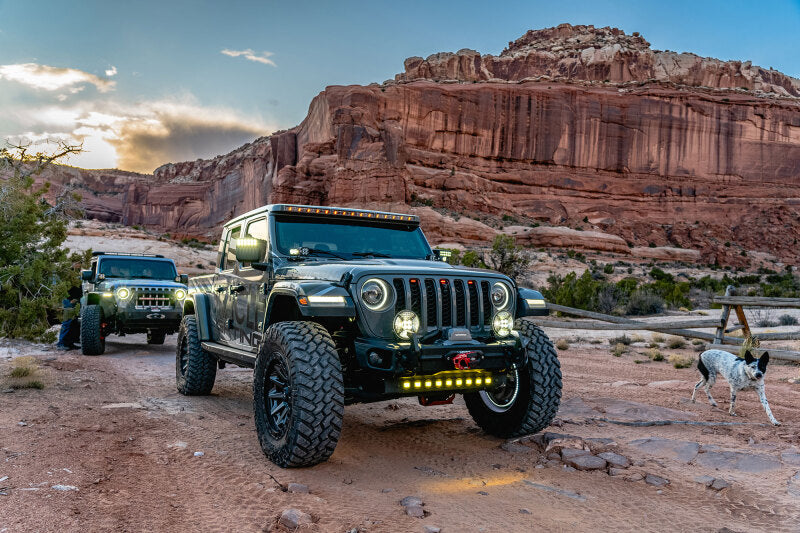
(740, 373)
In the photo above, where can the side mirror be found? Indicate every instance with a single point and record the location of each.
(86, 275)
(183, 278)
(250, 249)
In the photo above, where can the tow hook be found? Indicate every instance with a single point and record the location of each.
(427, 402)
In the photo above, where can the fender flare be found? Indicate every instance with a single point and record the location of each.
(200, 306)
(299, 293)
(531, 303)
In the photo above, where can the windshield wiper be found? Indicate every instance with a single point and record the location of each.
(369, 254)
(317, 251)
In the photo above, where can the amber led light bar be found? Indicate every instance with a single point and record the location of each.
(447, 380)
(354, 213)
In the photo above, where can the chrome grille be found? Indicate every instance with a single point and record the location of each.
(145, 297)
(445, 302)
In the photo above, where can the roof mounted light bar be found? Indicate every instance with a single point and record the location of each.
(341, 212)
(95, 254)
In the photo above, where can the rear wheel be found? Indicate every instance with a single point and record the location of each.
(529, 399)
(155, 336)
(93, 340)
(195, 368)
(298, 394)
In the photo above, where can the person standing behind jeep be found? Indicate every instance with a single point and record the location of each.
(70, 327)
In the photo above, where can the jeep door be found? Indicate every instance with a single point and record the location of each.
(248, 304)
(223, 281)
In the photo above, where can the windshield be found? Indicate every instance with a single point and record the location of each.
(347, 240)
(137, 268)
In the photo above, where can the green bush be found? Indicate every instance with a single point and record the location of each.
(787, 320)
(35, 271)
(644, 302)
(507, 257)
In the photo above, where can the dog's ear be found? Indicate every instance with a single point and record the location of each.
(748, 357)
(762, 362)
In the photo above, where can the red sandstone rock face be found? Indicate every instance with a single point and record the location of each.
(641, 164)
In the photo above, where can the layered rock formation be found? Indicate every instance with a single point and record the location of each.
(669, 152)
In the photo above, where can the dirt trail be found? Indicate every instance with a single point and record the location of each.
(115, 428)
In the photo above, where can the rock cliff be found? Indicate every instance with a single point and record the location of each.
(573, 126)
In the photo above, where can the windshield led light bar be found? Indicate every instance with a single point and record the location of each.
(354, 213)
(447, 380)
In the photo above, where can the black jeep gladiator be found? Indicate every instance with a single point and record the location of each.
(334, 306)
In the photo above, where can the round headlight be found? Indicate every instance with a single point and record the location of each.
(502, 324)
(375, 294)
(406, 323)
(500, 295)
(123, 293)
(180, 294)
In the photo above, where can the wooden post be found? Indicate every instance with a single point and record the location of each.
(726, 313)
(742, 320)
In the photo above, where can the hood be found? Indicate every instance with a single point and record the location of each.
(328, 270)
(154, 283)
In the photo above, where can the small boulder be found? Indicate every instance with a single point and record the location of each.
(297, 488)
(656, 481)
(704, 480)
(411, 500)
(587, 462)
(719, 484)
(431, 529)
(636, 476)
(613, 471)
(616, 460)
(524, 511)
(294, 518)
(569, 453)
(416, 511)
(515, 447)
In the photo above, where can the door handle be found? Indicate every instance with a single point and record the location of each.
(236, 288)
(221, 288)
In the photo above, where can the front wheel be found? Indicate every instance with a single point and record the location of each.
(195, 368)
(298, 394)
(93, 340)
(529, 399)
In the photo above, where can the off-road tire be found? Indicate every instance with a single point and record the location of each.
(93, 341)
(155, 336)
(539, 394)
(195, 368)
(314, 394)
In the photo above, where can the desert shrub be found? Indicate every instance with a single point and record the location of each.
(472, 259)
(608, 268)
(680, 360)
(787, 320)
(507, 257)
(657, 337)
(654, 354)
(562, 344)
(618, 350)
(637, 338)
(35, 271)
(643, 302)
(24, 374)
(676, 343)
(763, 318)
(622, 339)
(698, 342)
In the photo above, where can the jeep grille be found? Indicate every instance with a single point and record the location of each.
(145, 297)
(445, 302)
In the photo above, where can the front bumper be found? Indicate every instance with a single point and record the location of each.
(131, 320)
(413, 358)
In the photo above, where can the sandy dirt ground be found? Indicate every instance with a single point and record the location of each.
(109, 445)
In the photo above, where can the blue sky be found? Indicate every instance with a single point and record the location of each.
(149, 82)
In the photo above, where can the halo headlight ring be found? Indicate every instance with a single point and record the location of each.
(123, 293)
(500, 296)
(376, 294)
(180, 294)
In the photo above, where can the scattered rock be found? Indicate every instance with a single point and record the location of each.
(64, 487)
(483, 493)
(411, 500)
(553, 456)
(636, 476)
(123, 406)
(8, 391)
(738, 461)
(294, 518)
(587, 462)
(555, 490)
(571, 453)
(615, 459)
(568, 468)
(416, 511)
(431, 529)
(297, 488)
(385, 491)
(515, 447)
(553, 462)
(613, 471)
(178, 444)
(199, 454)
(719, 484)
(793, 488)
(22, 423)
(656, 481)
(524, 511)
(704, 480)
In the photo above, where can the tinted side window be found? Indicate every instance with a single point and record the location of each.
(221, 250)
(256, 228)
(230, 252)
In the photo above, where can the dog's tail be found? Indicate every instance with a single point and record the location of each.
(702, 367)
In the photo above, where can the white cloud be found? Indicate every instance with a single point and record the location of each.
(251, 56)
(144, 136)
(111, 71)
(53, 78)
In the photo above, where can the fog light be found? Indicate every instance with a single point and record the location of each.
(502, 324)
(406, 323)
(180, 294)
(123, 294)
